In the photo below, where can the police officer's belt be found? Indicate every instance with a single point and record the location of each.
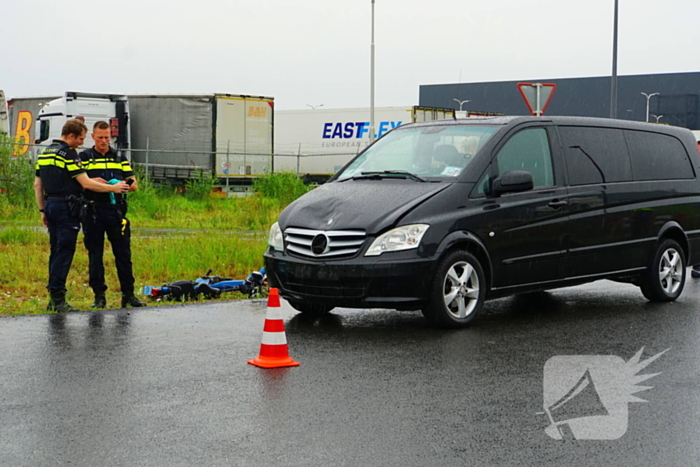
(98, 204)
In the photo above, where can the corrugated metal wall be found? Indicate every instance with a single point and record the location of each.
(677, 102)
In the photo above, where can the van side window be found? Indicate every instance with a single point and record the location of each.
(484, 185)
(528, 150)
(595, 155)
(657, 157)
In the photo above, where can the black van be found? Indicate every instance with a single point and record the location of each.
(441, 216)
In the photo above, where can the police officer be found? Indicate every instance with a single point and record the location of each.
(106, 214)
(58, 187)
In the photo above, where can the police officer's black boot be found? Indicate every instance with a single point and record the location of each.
(132, 301)
(58, 303)
(100, 301)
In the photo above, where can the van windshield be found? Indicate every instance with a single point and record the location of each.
(428, 151)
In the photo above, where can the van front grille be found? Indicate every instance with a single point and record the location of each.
(323, 243)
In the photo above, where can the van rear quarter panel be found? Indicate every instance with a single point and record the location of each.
(621, 234)
(638, 211)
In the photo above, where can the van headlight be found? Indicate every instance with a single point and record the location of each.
(405, 237)
(276, 240)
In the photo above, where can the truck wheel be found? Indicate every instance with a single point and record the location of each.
(457, 292)
(314, 310)
(664, 278)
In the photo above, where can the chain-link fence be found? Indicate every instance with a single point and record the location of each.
(180, 165)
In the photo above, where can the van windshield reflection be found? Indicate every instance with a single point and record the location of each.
(420, 153)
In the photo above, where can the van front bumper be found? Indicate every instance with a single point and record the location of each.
(358, 282)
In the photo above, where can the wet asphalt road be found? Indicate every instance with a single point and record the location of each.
(170, 385)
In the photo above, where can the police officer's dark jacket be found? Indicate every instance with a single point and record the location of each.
(57, 166)
(108, 166)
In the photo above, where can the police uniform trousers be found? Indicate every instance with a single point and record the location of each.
(63, 235)
(98, 221)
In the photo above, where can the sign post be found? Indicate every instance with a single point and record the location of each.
(537, 96)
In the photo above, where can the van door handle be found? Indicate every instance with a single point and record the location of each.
(557, 203)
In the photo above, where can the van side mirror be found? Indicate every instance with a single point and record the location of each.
(513, 181)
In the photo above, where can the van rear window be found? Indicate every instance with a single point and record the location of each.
(656, 156)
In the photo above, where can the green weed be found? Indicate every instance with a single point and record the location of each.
(16, 181)
(283, 186)
(21, 236)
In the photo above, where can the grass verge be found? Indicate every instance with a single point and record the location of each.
(174, 237)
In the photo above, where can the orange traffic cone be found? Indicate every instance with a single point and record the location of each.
(273, 350)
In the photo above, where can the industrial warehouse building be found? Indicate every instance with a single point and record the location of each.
(676, 103)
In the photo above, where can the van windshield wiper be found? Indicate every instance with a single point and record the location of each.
(389, 174)
(591, 159)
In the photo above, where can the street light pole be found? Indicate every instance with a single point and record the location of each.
(657, 117)
(460, 103)
(371, 92)
(648, 96)
(613, 81)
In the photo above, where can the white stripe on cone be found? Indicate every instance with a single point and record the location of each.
(274, 338)
(274, 313)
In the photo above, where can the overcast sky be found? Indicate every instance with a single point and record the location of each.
(312, 52)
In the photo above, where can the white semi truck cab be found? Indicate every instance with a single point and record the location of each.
(90, 108)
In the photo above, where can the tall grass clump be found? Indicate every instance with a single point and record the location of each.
(22, 236)
(16, 180)
(199, 187)
(283, 186)
(151, 201)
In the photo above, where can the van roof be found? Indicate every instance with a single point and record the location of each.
(560, 120)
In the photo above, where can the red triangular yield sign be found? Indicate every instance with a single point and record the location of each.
(529, 93)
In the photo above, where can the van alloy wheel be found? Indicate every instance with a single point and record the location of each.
(664, 278)
(461, 291)
(670, 271)
(458, 291)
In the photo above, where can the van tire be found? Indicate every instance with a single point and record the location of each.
(313, 310)
(664, 278)
(460, 278)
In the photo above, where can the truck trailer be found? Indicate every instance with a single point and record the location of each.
(316, 143)
(22, 114)
(228, 135)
